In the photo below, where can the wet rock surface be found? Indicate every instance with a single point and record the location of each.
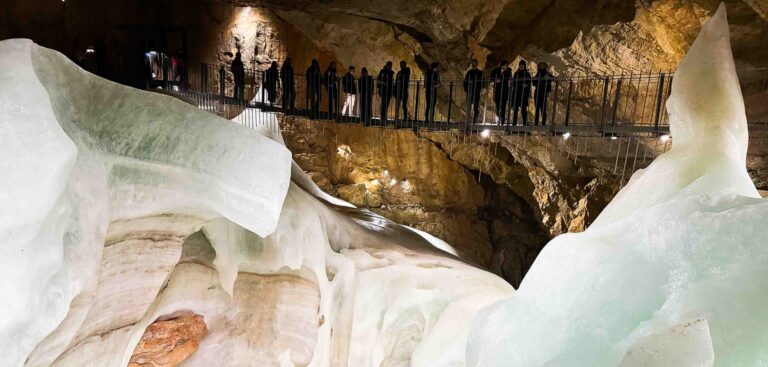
(498, 201)
(167, 343)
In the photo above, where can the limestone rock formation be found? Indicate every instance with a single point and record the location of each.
(497, 200)
(167, 343)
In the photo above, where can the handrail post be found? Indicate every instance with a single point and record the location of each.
(604, 102)
(553, 125)
(416, 113)
(669, 91)
(203, 77)
(221, 81)
(338, 99)
(659, 97)
(568, 104)
(450, 100)
(263, 87)
(616, 101)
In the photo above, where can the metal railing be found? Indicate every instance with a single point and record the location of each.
(599, 105)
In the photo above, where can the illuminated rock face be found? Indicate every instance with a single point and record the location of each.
(168, 343)
(671, 271)
(130, 213)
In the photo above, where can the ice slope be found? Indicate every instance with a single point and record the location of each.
(673, 272)
(120, 207)
(79, 151)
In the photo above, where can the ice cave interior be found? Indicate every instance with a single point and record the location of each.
(168, 225)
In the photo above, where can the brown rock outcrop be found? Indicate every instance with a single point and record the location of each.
(497, 202)
(167, 343)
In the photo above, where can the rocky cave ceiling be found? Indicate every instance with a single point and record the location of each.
(601, 36)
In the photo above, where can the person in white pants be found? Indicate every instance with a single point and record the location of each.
(349, 86)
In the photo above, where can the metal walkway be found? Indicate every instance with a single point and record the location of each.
(608, 106)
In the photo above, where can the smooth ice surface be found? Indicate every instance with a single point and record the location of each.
(121, 207)
(674, 269)
(77, 151)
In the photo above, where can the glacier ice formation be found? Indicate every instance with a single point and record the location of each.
(121, 207)
(673, 272)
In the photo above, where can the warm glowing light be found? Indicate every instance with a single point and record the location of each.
(485, 133)
(566, 135)
(90, 50)
(406, 185)
(664, 137)
(344, 151)
(613, 138)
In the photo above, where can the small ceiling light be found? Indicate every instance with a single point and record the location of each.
(90, 50)
(485, 133)
(566, 135)
(664, 137)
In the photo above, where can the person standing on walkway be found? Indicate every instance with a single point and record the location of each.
(272, 82)
(332, 88)
(349, 87)
(385, 83)
(402, 82)
(431, 83)
(365, 87)
(521, 94)
(289, 86)
(473, 86)
(238, 75)
(501, 77)
(314, 82)
(543, 84)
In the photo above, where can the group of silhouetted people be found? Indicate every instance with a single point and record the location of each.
(358, 91)
(510, 85)
(511, 90)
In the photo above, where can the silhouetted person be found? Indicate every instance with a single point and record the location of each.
(272, 82)
(314, 83)
(385, 83)
(473, 86)
(431, 82)
(238, 74)
(331, 81)
(501, 77)
(289, 86)
(543, 84)
(365, 87)
(402, 82)
(521, 93)
(349, 86)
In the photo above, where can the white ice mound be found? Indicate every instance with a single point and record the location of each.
(675, 271)
(77, 151)
(119, 208)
